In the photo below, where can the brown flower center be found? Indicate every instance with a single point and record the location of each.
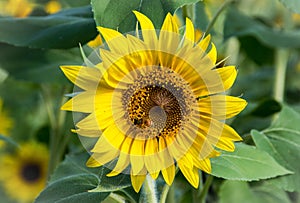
(31, 172)
(157, 104)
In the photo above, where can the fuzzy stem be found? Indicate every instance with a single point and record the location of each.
(281, 59)
(167, 194)
(215, 17)
(149, 190)
(205, 188)
(57, 119)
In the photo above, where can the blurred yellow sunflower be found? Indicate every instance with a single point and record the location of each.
(6, 123)
(155, 100)
(24, 173)
(52, 6)
(17, 8)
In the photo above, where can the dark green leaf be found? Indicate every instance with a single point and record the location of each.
(37, 65)
(256, 51)
(246, 163)
(73, 165)
(294, 5)
(117, 14)
(72, 189)
(238, 24)
(238, 191)
(65, 29)
(72, 181)
(282, 141)
(266, 108)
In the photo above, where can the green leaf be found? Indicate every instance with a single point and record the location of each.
(282, 141)
(75, 164)
(238, 191)
(117, 14)
(72, 181)
(238, 25)
(246, 163)
(37, 65)
(266, 108)
(63, 30)
(72, 189)
(294, 5)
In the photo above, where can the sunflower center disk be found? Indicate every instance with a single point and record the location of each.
(158, 104)
(31, 172)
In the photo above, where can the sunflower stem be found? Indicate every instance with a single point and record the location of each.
(164, 196)
(171, 195)
(149, 190)
(57, 119)
(281, 60)
(215, 17)
(205, 188)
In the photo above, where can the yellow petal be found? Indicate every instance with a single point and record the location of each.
(83, 102)
(228, 75)
(214, 81)
(178, 152)
(84, 77)
(136, 156)
(189, 31)
(212, 54)
(95, 42)
(99, 159)
(203, 165)
(137, 181)
(169, 174)
(148, 30)
(168, 41)
(151, 158)
(192, 175)
(154, 175)
(169, 24)
(118, 67)
(221, 107)
(91, 162)
(165, 158)
(218, 133)
(115, 40)
(88, 123)
(87, 133)
(123, 162)
(203, 44)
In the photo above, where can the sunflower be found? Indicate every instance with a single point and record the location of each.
(155, 101)
(17, 8)
(52, 6)
(6, 122)
(24, 173)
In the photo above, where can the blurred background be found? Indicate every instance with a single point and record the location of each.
(262, 38)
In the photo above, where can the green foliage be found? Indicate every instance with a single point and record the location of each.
(36, 65)
(246, 163)
(238, 25)
(72, 181)
(238, 191)
(294, 5)
(62, 30)
(117, 14)
(281, 140)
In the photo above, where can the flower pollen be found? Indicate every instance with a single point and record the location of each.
(158, 103)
